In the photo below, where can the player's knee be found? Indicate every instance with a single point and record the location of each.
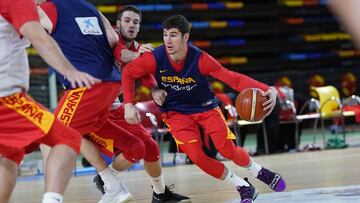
(237, 154)
(75, 142)
(12, 157)
(227, 152)
(195, 152)
(197, 157)
(62, 135)
(138, 150)
(243, 157)
(152, 150)
(71, 139)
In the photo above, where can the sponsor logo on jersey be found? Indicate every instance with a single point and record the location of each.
(70, 105)
(30, 110)
(89, 25)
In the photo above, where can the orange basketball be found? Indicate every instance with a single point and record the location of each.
(249, 104)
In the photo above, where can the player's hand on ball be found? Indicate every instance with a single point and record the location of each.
(269, 105)
(132, 114)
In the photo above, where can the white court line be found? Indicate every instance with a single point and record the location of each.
(342, 194)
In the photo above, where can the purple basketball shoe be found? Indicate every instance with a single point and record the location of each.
(273, 180)
(247, 193)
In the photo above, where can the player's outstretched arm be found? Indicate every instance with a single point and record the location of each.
(111, 34)
(51, 53)
(237, 81)
(127, 55)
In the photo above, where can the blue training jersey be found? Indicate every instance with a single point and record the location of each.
(188, 91)
(81, 35)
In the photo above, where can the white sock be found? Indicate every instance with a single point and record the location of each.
(52, 197)
(235, 180)
(107, 176)
(158, 184)
(114, 170)
(254, 168)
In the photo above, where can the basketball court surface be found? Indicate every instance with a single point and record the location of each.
(330, 176)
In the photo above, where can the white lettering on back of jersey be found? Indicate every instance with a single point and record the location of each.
(89, 25)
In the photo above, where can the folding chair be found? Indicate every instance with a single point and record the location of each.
(330, 107)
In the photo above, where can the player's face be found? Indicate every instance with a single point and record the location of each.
(174, 41)
(129, 25)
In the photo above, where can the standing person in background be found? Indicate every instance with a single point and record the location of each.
(24, 123)
(87, 38)
(128, 25)
(181, 72)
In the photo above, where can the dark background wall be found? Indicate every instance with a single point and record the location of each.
(265, 39)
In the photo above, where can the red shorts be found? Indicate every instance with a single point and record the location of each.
(117, 116)
(24, 124)
(185, 127)
(86, 110)
(112, 139)
(152, 149)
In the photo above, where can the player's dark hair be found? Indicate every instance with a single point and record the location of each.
(177, 21)
(129, 8)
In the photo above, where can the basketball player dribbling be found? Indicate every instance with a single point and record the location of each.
(181, 72)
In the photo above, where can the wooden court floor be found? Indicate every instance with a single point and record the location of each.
(302, 171)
